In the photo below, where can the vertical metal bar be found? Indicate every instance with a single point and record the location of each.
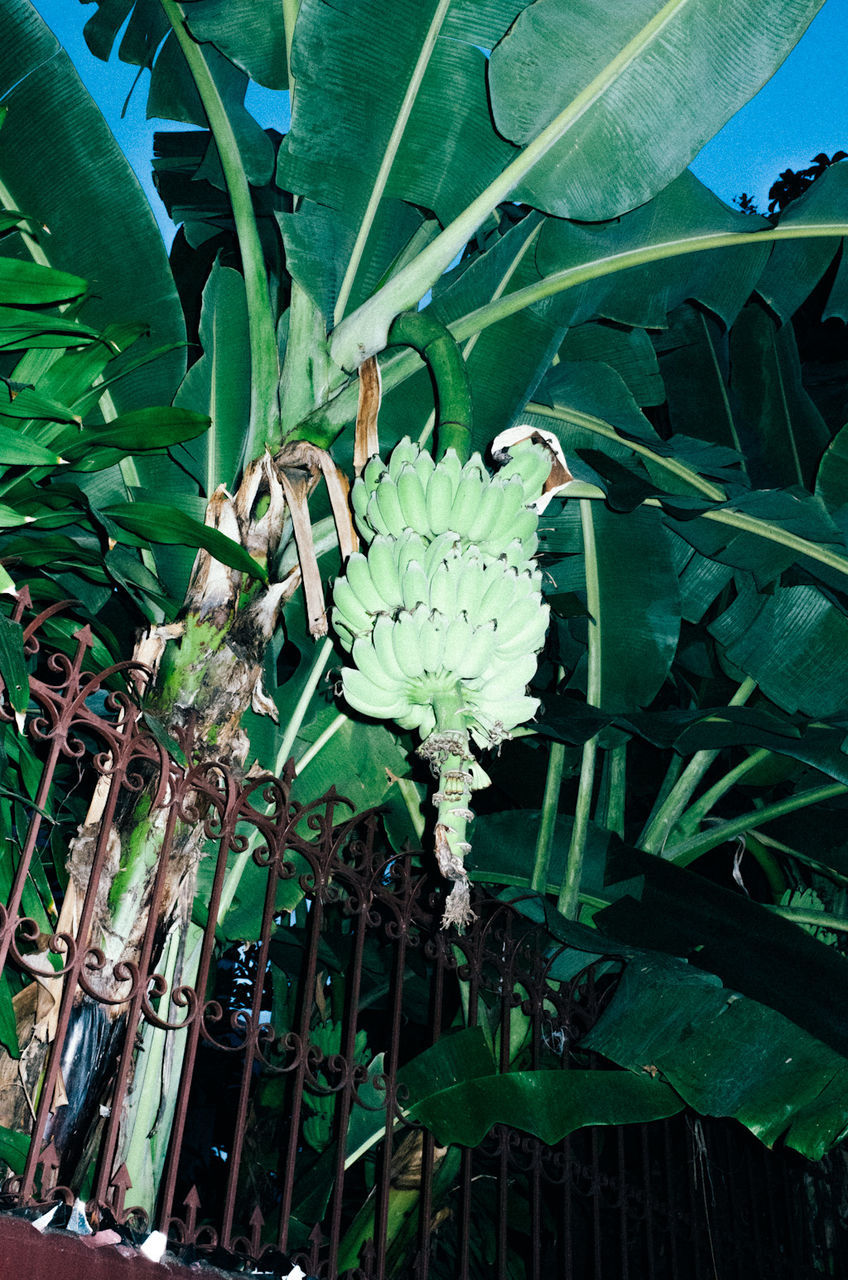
(315, 920)
(597, 1262)
(624, 1252)
(425, 1213)
(69, 989)
(346, 1100)
(133, 1017)
(384, 1183)
(649, 1199)
(567, 1214)
(250, 1049)
(195, 1026)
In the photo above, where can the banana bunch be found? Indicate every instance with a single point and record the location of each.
(443, 617)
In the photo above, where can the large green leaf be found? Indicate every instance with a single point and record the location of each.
(156, 522)
(19, 450)
(55, 142)
(781, 430)
(632, 64)
(796, 266)
(218, 384)
(133, 432)
(832, 477)
(550, 1104)
(639, 611)
(25, 283)
(793, 643)
(368, 119)
(721, 280)
(248, 32)
(726, 1055)
(694, 360)
(627, 351)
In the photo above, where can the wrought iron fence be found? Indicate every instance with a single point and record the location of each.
(246, 1095)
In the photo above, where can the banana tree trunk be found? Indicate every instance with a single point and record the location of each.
(123, 900)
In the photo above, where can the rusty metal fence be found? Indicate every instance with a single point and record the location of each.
(246, 1095)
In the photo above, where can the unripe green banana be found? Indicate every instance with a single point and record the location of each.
(403, 454)
(407, 649)
(431, 637)
(413, 502)
(365, 696)
(443, 616)
(348, 610)
(488, 515)
(425, 466)
(359, 496)
(388, 504)
(383, 568)
(358, 575)
(410, 548)
(415, 586)
(441, 488)
(374, 519)
(384, 648)
(531, 464)
(466, 502)
(366, 659)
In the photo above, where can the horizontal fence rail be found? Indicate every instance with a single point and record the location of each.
(241, 1081)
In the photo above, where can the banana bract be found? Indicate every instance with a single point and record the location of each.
(443, 617)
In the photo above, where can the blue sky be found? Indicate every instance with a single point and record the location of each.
(803, 110)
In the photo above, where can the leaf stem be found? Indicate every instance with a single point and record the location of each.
(363, 332)
(768, 529)
(614, 788)
(800, 915)
(389, 156)
(601, 428)
(696, 813)
(568, 902)
(570, 277)
(319, 662)
(667, 816)
(547, 817)
(688, 850)
(264, 427)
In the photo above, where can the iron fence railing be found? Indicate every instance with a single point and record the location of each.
(245, 1092)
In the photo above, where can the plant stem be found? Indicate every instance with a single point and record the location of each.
(547, 817)
(695, 814)
(568, 901)
(571, 277)
(665, 819)
(319, 662)
(363, 332)
(821, 919)
(264, 428)
(569, 895)
(688, 850)
(614, 785)
(320, 742)
(601, 428)
(392, 147)
(433, 342)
